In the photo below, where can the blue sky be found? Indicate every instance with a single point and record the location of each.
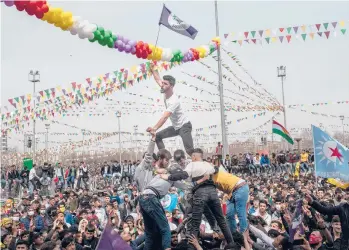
(317, 71)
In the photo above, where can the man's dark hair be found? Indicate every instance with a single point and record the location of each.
(164, 154)
(154, 156)
(198, 151)
(22, 242)
(170, 79)
(178, 155)
(264, 202)
(66, 241)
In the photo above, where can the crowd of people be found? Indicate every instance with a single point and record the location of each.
(74, 217)
(248, 201)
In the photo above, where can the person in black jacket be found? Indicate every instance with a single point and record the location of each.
(25, 177)
(342, 210)
(13, 176)
(90, 241)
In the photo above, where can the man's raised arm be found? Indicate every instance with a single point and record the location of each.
(156, 75)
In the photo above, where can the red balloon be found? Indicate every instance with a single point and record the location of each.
(140, 43)
(20, 5)
(39, 14)
(31, 5)
(44, 8)
(30, 12)
(144, 54)
(138, 54)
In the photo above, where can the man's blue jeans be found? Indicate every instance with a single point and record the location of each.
(237, 205)
(155, 223)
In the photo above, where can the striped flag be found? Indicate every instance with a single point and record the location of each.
(281, 130)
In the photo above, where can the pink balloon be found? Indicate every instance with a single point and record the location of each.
(9, 3)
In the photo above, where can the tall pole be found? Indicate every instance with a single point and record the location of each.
(34, 77)
(342, 119)
(220, 87)
(282, 74)
(136, 131)
(47, 126)
(83, 144)
(118, 114)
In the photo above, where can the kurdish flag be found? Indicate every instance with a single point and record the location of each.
(280, 130)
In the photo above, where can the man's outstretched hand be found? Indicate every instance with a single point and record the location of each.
(152, 132)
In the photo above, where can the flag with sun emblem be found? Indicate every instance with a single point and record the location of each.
(331, 157)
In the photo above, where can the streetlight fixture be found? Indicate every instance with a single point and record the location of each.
(34, 77)
(118, 115)
(47, 126)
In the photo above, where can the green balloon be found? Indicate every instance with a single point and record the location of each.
(101, 30)
(102, 42)
(114, 38)
(97, 33)
(107, 33)
(92, 40)
(110, 44)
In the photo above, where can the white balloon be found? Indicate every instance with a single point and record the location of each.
(73, 31)
(83, 24)
(91, 36)
(93, 27)
(82, 35)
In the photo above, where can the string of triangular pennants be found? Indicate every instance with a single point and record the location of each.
(289, 34)
(230, 122)
(318, 104)
(96, 87)
(320, 114)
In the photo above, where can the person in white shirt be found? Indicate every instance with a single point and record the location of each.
(262, 212)
(180, 123)
(33, 178)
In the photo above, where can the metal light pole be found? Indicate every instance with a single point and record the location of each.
(220, 87)
(34, 77)
(136, 131)
(342, 119)
(47, 126)
(282, 74)
(118, 115)
(83, 143)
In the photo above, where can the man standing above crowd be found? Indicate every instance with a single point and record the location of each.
(180, 123)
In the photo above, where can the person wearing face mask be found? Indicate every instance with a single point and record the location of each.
(176, 217)
(67, 215)
(341, 210)
(276, 215)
